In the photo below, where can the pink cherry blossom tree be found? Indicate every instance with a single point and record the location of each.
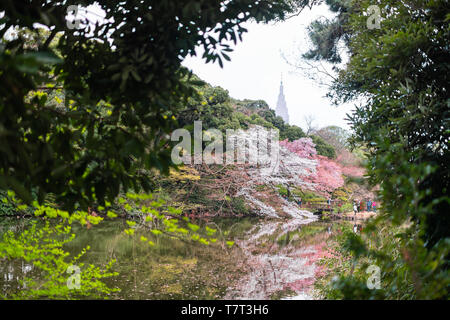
(303, 147)
(328, 173)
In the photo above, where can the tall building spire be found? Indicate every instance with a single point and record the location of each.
(282, 110)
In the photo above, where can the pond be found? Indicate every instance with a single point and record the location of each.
(171, 269)
(270, 260)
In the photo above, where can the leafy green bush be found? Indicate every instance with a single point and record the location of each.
(307, 195)
(239, 205)
(323, 148)
(341, 194)
(291, 132)
(43, 246)
(258, 120)
(282, 190)
(6, 207)
(346, 207)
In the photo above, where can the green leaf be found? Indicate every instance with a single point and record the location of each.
(20, 190)
(44, 57)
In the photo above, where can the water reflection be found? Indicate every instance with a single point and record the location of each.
(170, 270)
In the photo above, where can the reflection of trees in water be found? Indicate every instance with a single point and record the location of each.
(165, 271)
(12, 274)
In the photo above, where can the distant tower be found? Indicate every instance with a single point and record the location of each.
(282, 110)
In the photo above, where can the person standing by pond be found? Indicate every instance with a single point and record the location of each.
(374, 206)
(369, 205)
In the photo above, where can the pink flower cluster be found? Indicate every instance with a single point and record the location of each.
(353, 171)
(329, 173)
(303, 147)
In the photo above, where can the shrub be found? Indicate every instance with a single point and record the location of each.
(43, 247)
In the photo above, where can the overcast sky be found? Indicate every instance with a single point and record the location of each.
(256, 66)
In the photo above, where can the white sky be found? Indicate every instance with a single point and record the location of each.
(256, 65)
